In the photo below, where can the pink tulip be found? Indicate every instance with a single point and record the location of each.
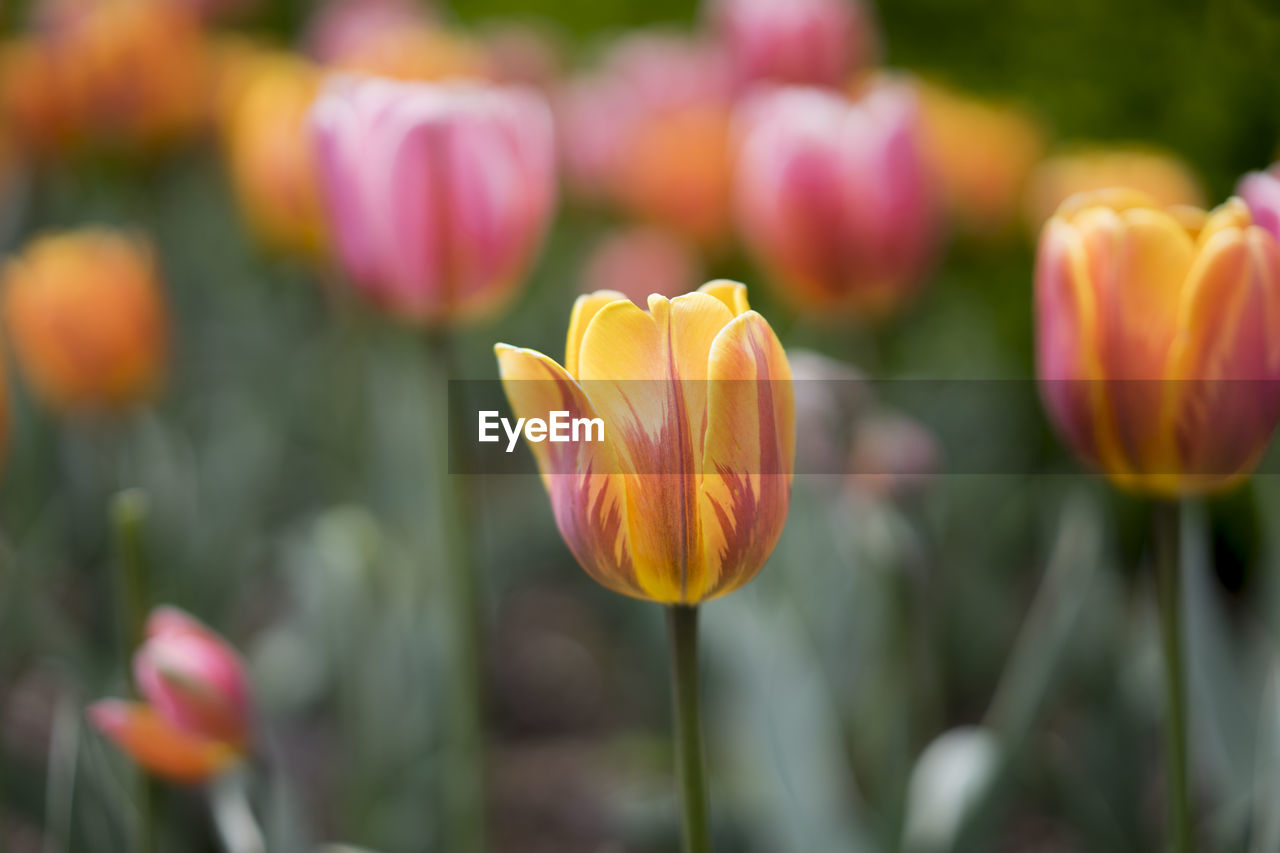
(804, 42)
(438, 195)
(343, 28)
(835, 199)
(196, 719)
(641, 260)
(1261, 191)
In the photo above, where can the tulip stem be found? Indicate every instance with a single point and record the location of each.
(1167, 532)
(463, 782)
(129, 514)
(233, 816)
(682, 626)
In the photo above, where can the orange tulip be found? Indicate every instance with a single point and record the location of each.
(268, 147)
(959, 134)
(1159, 339)
(87, 319)
(686, 493)
(118, 73)
(1158, 174)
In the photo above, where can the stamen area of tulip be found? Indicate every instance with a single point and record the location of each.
(559, 427)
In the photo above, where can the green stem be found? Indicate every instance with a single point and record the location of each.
(129, 515)
(464, 777)
(233, 816)
(1167, 530)
(682, 625)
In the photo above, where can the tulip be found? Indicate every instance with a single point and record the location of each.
(1158, 174)
(86, 319)
(801, 42)
(437, 195)
(983, 192)
(194, 723)
(268, 147)
(639, 260)
(117, 73)
(1159, 339)
(663, 155)
(344, 28)
(687, 494)
(683, 495)
(835, 199)
(1261, 191)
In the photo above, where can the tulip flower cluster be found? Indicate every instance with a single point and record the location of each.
(195, 722)
(123, 74)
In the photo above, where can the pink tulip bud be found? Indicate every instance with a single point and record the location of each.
(1261, 191)
(193, 677)
(196, 718)
(438, 195)
(835, 199)
(804, 42)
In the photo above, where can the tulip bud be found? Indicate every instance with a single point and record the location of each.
(269, 150)
(195, 723)
(801, 42)
(1261, 191)
(684, 494)
(1160, 175)
(834, 197)
(1159, 339)
(86, 319)
(437, 195)
(984, 193)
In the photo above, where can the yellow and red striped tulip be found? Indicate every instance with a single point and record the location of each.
(86, 319)
(196, 720)
(1161, 175)
(267, 139)
(685, 497)
(1159, 339)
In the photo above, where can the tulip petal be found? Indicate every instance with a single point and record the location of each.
(749, 454)
(732, 293)
(588, 495)
(1224, 403)
(196, 684)
(584, 309)
(159, 747)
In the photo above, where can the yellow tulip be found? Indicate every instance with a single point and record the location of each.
(685, 497)
(1159, 339)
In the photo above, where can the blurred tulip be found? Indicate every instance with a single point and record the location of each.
(662, 153)
(686, 495)
(420, 53)
(196, 718)
(638, 261)
(520, 53)
(117, 73)
(86, 319)
(835, 199)
(1159, 339)
(800, 42)
(268, 147)
(1261, 191)
(342, 28)
(1162, 176)
(984, 192)
(438, 195)
(893, 456)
